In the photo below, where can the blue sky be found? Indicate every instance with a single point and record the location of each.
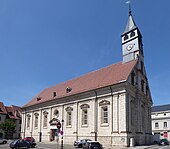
(43, 43)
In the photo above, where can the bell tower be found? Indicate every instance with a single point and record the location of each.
(132, 47)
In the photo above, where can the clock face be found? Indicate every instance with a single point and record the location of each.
(129, 47)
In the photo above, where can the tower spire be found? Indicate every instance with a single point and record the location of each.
(129, 3)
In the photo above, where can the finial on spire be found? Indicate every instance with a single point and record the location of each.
(129, 3)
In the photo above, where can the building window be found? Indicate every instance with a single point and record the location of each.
(56, 113)
(36, 120)
(68, 122)
(132, 34)
(45, 113)
(84, 117)
(126, 37)
(133, 78)
(165, 125)
(156, 125)
(104, 115)
(142, 85)
(69, 116)
(142, 66)
(28, 121)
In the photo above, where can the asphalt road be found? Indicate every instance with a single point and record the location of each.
(54, 146)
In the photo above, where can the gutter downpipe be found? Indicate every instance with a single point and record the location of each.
(24, 123)
(112, 112)
(96, 116)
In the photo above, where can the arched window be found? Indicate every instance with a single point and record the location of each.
(84, 108)
(104, 111)
(56, 113)
(28, 120)
(36, 115)
(132, 34)
(126, 37)
(69, 116)
(45, 115)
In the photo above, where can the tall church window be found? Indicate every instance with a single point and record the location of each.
(45, 119)
(36, 120)
(28, 121)
(104, 111)
(84, 108)
(125, 37)
(132, 34)
(56, 113)
(69, 116)
(84, 117)
(104, 115)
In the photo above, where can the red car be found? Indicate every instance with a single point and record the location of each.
(29, 139)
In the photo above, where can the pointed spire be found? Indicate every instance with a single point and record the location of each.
(131, 23)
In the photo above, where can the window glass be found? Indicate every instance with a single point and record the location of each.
(84, 117)
(68, 118)
(104, 115)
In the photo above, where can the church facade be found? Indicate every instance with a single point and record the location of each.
(111, 105)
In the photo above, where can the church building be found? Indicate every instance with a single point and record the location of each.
(111, 105)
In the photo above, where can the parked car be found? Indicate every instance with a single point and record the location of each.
(30, 139)
(80, 143)
(92, 145)
(19, 143)
(163, 142)
(3, 141)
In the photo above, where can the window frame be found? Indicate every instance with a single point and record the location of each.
(156, 125)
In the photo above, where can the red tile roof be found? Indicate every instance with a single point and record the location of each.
(14, 112)
(2, 108)
(106, 76)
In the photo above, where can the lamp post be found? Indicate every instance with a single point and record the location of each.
(62, 122)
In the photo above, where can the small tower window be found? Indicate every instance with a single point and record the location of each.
(126, 37)
(132, 34)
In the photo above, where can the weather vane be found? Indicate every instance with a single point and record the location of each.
(129, 3)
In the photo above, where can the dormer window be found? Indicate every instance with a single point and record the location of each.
(38, 98)
(68, 89)
(54, 94)
(132, 34)
(126, 37)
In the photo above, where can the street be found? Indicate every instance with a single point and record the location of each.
(54, 146)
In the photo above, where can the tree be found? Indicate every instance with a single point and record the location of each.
(9, 127)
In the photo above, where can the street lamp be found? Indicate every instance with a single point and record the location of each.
(62, 122)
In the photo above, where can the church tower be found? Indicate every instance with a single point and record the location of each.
(132, 47)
